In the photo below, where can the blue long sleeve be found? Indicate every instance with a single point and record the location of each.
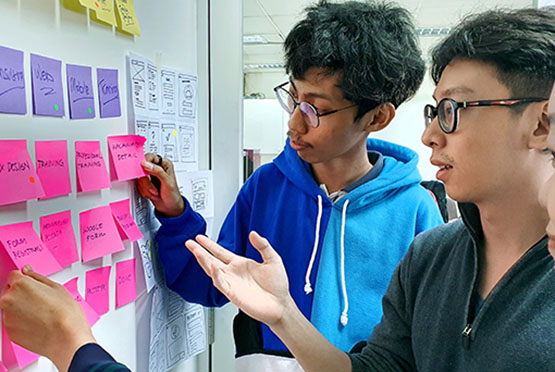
(93, 358)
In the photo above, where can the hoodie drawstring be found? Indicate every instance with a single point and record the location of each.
(344, 314)
(307, 285)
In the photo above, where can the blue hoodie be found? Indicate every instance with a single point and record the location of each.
(282, 202)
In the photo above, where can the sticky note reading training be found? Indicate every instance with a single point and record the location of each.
(99, 235)
(53, 168)
(108, 93)
(80, 92)
(23, 246)
(126, 154)
(90, 314)
(18, 179)
(126, 224)
(126, 291)
(98, 289)
(56, 231)
(46, 80)
(90, 167)
(12, 82)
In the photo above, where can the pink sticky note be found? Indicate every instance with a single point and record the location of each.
(90, 314)
(99, 235)
(3, 367)
(14, 355)
(23, 246)
(90, 166)
(18, 180)
(98, 289)
(126, 154)
(126, 291)
(53, 168)
(56, 231)
(126, 224)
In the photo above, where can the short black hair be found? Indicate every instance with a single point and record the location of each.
(519, 43)
(373, 45)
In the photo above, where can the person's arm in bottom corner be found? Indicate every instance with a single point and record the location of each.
(41, 316)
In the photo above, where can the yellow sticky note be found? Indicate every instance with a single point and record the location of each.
(174, 133)
(105, 12)
(73, 5)
(126, 17)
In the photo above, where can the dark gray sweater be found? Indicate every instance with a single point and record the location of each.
(428, 325)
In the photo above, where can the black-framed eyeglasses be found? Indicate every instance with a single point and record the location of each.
(447, 110)
(289, 104)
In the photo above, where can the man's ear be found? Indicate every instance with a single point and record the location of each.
(540, 131)
(378, 118)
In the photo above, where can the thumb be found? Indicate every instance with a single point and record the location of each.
(262, 245)
(28, 271)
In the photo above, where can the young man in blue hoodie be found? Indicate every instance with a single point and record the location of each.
(352, 205)
(476, 294)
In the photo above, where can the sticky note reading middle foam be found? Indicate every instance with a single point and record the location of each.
(18, 179)
(57, 233)
(53, 167)
(90, 167)
(90, 314)
(99, 235)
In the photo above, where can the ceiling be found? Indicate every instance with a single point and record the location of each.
(267, 22)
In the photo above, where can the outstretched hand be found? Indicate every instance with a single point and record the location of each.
(261, 290)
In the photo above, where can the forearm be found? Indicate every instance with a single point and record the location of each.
(312, 350)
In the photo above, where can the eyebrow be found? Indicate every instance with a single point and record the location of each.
(451, 91)
(312, 94)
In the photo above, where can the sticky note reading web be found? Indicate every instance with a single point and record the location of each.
(99, 235)
(98, 290)
(80, 92)
(53, 168)
(14, 355)
(126, 290)
(18, 179)
(56, 231)
(90, 314)
(127, 227)
(126, 154)
(12, 82)
(20, 246)
(108, 93)
(46, 81)
(90, 167)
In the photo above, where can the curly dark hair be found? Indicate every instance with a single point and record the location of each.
(372, 45)
(520, 44)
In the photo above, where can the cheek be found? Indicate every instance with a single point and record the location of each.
(547, 197)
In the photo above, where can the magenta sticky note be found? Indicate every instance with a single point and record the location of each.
(90, 314)
(80, 92)
(91, 172)
(18, 179)
(14, 355)
(12, 82)
(53, 167)
(56, 232)
(126, 154)
(24, 246)
(99, 234)
(46, 81)
(126, 291)
(122, 214)
(108, 92)
(3, 367)
(98, 289)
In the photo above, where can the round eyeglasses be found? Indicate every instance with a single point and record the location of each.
(447, 110)
(289, 104)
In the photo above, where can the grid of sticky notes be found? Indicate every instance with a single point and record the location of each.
(47, 85)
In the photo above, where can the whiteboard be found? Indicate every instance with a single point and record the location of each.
(44, 27)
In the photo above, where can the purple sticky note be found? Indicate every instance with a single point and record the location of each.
(12, 82)
(46, 80)
(108, 93)
(80, 92)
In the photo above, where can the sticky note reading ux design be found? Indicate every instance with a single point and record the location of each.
(90, 314)
(127, 227)
(80, 92)
(126, 290)
(12, 82)
(99, 235)
(108, 93)
(53, 168)
(18, 180)
(90, 167)
(21, 246)
(98, 289)
(56, 231)
(126, 154)
(46, 80)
